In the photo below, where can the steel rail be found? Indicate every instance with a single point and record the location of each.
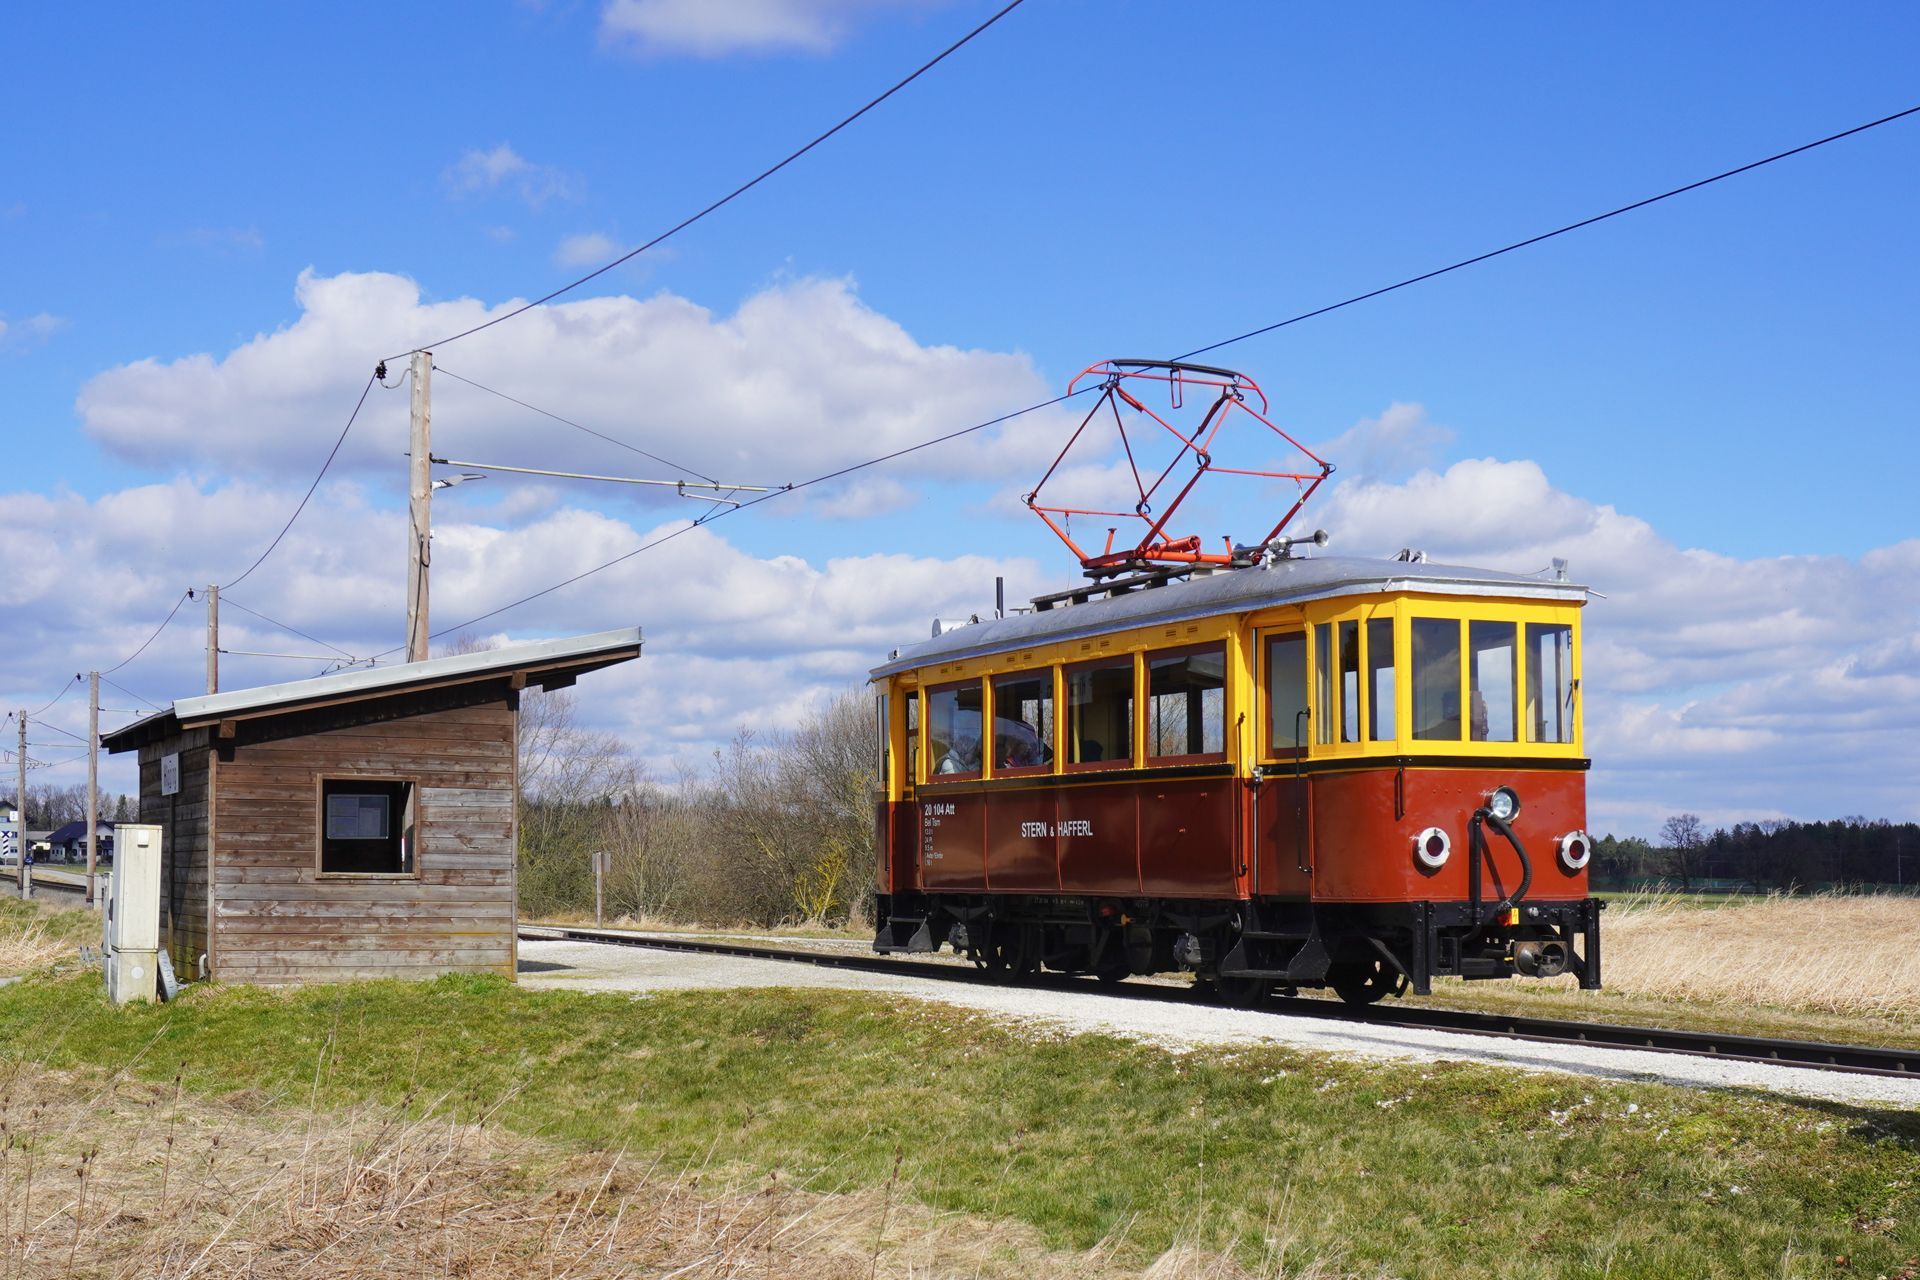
(1853, 1059)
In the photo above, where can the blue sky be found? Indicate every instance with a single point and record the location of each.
(1734, 369)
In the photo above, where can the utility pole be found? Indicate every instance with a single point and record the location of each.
(419, 506)
(20, 797)
(93, 783)
(213, 638)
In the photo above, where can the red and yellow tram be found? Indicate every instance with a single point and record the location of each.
(1277, 771)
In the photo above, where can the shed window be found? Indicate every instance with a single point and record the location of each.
(1023, 720)
(953, 730)
(1287, 692)
(1494, 665)
(1436, 679)
(1100, 713)
(367, 827)
(1380, 688)
(1549, 682)
(1186, 703)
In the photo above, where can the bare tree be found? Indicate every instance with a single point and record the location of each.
(1683, 839)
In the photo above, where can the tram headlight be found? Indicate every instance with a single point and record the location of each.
(1576, 847)
(1503, 804)
(1431, 848)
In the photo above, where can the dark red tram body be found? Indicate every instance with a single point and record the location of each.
(1335, 772)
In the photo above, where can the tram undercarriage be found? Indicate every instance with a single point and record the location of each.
(1245, 950)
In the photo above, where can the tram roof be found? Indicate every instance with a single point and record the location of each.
(1228, 591)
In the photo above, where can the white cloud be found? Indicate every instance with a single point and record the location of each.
(481, 171)
(588, 249)
(801, 378)
(708, 29)
(1398, 442)
(34, 328)
(732, 638)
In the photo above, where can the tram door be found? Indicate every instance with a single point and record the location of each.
(1283, 801)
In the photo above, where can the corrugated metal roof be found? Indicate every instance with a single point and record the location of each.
(378, 680)
(1233, 591)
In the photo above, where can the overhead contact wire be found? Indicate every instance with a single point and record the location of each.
(1548, 235)
(308, 496)
(738, 191)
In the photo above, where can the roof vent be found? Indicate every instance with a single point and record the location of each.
(1412, 556)
(1559, 568)
(943, 625)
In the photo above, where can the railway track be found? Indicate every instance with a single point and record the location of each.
(1854, 1059)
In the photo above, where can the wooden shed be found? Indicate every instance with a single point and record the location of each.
(355, 825)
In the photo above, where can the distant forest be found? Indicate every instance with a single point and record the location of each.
(1851, 851)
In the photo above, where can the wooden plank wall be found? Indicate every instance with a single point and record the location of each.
(276, 919)
(182, 819)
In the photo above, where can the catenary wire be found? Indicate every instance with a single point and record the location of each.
(65, 689)
(1252, 333)
(284, 627)
(331, 454)
(184, 597)
(68, 733)
(548, 413)
(738, 191)
(131, 694)
(1548, 235)
(723, 512)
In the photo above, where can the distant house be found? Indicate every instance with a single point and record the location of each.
(69, 843)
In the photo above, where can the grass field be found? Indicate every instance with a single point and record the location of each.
(422, 1115)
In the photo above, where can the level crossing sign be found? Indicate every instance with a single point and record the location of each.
(9, 841)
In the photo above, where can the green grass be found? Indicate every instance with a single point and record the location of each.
(1405, 1170)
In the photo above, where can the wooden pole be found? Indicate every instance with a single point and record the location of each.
(20, 798)
(93, 783)
(419, 505)
(213, 638)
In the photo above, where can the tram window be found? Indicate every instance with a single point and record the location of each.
(1549, 682)
(1023, 720)
(1380, 687)
(913, 736)
(884, 739)
(1187, 703)
(1287, 692)
(953, 730)
(1493, 666)
(1350, 682)
(1323, 682)
(1436, 679)
(1100, 713)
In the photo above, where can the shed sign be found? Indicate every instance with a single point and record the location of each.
(170, 774)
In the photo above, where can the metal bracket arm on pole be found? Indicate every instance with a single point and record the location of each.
(579, 475)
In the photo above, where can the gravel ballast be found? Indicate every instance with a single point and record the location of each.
(586, 966)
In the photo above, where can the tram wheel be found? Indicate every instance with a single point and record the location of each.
(1113, 965)
(1365, 981)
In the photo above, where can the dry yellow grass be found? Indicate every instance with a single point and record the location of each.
(32, 937)
(1828, 953)
(112, 1178)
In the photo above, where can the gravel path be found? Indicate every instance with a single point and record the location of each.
(586, 966)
